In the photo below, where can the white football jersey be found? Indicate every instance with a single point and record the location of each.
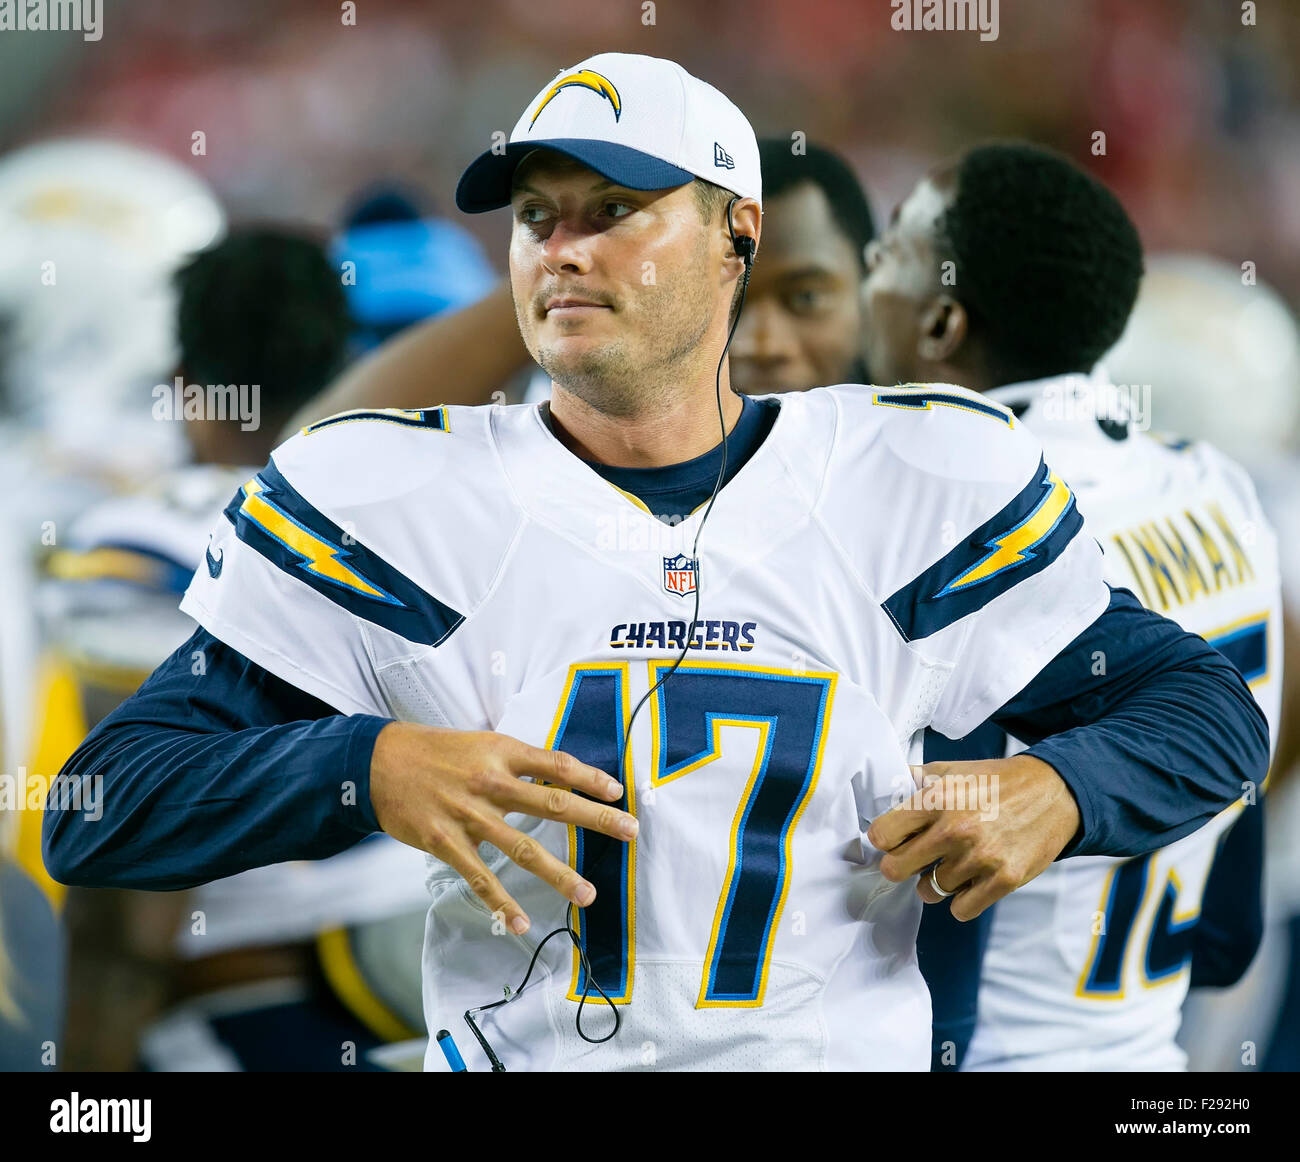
(110, 598)
(864, 575)
(111, 608)
(1088, 964)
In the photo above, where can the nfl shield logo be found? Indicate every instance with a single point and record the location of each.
(679, 574)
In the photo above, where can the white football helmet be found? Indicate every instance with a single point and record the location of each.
(94, 231)
(1222, 357)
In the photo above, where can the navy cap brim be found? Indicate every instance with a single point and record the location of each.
(485, 185)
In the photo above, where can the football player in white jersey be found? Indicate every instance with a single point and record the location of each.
(1087, 966)
(75, 367)
(235, 964)
(1199, 326)
(487, 598)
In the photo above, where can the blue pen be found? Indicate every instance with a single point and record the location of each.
(450, 1052)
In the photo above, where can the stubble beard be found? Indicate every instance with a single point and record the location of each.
(624, 383)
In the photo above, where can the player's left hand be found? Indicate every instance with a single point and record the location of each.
(995, 824)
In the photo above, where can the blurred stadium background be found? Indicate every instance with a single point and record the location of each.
(1200, 113)
(300, 111)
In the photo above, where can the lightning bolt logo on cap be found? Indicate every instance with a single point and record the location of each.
(585, 79)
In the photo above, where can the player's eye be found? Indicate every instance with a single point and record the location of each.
(531, 214)
(613, 209)
(807, 301)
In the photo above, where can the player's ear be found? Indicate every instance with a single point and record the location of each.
(942, 329)
(746, 220)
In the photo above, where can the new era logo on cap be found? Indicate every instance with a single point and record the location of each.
(640, 121)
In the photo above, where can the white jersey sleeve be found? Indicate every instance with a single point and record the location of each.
(992, 573)
(343, 549)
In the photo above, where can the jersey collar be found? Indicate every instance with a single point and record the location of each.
(755, 510)
(1033, 394)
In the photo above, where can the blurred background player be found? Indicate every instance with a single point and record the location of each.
(430, 315)
(1086, 967)
(283, 967)
(401, 265)
(31, 968)
(1221, 351)
(802, 322)
(93, 231)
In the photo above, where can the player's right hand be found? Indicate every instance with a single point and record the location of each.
(447, 791)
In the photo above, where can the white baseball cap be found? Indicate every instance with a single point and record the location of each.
(640, 121)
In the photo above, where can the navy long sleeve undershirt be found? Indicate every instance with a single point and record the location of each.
(1100, 714)
(1231, 925)
(950, 952)
(208, 775)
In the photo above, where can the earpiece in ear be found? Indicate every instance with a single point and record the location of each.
(744, 246)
